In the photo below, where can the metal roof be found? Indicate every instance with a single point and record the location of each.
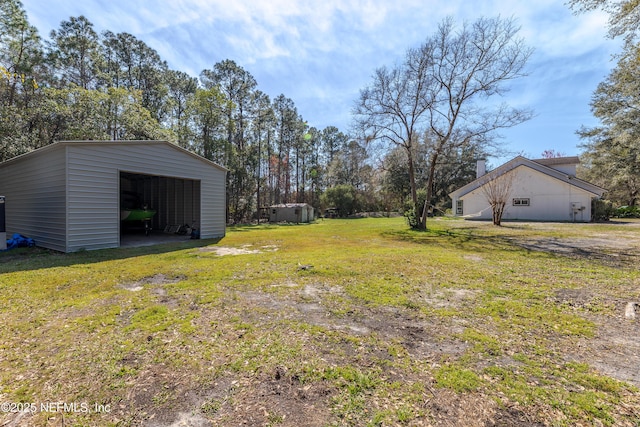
(57, 144)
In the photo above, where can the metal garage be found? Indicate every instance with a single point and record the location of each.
(70, 195)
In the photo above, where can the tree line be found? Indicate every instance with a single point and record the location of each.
(611, 150)
(432, 115)
(82, 85)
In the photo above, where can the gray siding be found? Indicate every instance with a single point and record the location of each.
(34, 187)
(93, 199)
(93, 188)
(67, 196)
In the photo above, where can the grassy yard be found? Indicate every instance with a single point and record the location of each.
(342, 322)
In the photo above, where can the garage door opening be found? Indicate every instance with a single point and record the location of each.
(157, 207)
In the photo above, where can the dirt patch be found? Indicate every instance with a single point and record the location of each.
(305, 307)
(156, 279)
(451, 409)
(244, 250)
(272, 398)
(615, 349)
(188, 419)
(423, 339)
(613, 250)
(447, 297)
(156, 284)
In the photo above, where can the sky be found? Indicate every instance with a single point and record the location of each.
(321, 53)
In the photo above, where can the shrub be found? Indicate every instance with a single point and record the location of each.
(412, 218)
(601, 210)
(341, 197)
(627, 212)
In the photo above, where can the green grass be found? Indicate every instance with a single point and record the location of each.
(380, 322)
(457, 378)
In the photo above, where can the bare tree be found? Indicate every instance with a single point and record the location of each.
(395, 108)
(497, 192)
(552, 154)
(469, 67)
(443, 92)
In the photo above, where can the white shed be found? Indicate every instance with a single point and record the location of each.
(291, 212)
(541, 190)
(68, 195)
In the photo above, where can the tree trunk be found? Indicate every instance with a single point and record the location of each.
(412, 180)
(498, 210)
(427, 200)
(259, 172)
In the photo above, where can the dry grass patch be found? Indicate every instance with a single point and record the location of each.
(348, 322)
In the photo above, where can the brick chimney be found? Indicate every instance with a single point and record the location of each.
(481, 168)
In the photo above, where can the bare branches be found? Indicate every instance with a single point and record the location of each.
(497, 192)
(443, 89)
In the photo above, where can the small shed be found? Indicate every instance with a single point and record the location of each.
(291, 212)
(68, 196)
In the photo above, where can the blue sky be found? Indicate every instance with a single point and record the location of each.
(320, 53)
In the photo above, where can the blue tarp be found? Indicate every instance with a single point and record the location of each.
(19, 241)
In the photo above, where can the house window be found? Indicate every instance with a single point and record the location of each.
(459, 209)
(521, 202)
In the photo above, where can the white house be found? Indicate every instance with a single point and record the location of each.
(541, 190)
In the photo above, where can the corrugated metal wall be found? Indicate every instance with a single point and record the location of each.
(66, 196)
(92, 198)
(34, 187)
(97, 166)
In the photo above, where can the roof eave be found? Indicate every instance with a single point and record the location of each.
(522, 161)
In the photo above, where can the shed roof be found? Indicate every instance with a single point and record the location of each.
(291, 205)
(58, 144)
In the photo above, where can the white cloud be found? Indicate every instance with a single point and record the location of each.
(321, 53)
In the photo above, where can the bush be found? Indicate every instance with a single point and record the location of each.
(601, 210)
(627, 212)
(412, 218)
(341, 197)
(410, 213)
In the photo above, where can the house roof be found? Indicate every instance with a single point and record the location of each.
(58, 144)
(552, 161)
(541, 165)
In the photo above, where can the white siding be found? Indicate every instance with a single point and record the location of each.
(549, 199)
(93, 188)
(295, 212)
(34, 187)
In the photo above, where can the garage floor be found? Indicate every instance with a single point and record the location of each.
(132, 240)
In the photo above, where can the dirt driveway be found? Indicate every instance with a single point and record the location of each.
(615, 351)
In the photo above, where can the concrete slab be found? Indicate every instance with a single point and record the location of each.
(132, 240)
